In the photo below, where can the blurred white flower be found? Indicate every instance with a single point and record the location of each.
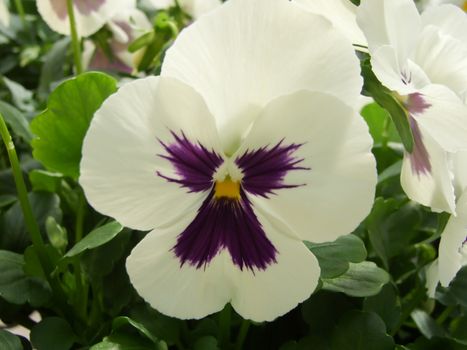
(4, 14)
(422, 60)
(195, 8)
(425, 4)
(90, 15)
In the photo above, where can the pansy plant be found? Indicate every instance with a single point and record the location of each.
(243, 148)
(422, 60)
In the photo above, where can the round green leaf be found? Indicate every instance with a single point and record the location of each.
(52, 333)
(9, 341)
(361, 331)
(61, 128)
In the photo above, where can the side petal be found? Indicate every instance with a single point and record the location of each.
(446, 118)
(126, 171)
(197, 8)
(267, 294)
(246, 53)
(442, 57)
(460, 172)
(432, 278)
(4, 14)
(185, 292)
(452, 239)
(342, 14)
(432, 188)
(449, 18)
(390, 22)
(337, 173)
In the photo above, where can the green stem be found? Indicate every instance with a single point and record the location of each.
(31, 223)
(445, 314)
(242, 334)
(80, 216)
(224, 326)
(21, 13)
(76, 42)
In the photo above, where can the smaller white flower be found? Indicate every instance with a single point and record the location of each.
(125, 26)
(195, 8)
(4, 14)
(341, 13)
(90, 15)
(422, 59)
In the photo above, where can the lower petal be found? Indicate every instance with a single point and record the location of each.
(267, 294)
(185, 292)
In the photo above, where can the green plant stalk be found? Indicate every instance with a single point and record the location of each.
(242, 333)
(21, 13)
(31, 223)
(76, 42)
(224, 326)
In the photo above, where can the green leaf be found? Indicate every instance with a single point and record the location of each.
(385, 99)
(57, 234)
(42, 180)
(126, 342)
(14, 232)
(96, 238)
(21, 97)
(334, 257)
(361, 331)
(377, 119)
(426, 324)
(18, 288)
(16, 120)
(458, 287)
(9, 341)
(206, 343)
(122, 321)
(61, 128)
(52, 333)
(386, 305)
(361, 280)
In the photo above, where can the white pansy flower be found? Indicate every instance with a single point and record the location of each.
(243, 148)
(125, 26)
(90, 15)
(4, 14)
(195, 8)
(342, 14)
(425, 66)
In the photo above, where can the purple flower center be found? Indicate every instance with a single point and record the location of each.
(420, 158)
(226, 219)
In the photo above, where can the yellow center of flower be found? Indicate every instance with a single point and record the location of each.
(227, 189)
(464, 6)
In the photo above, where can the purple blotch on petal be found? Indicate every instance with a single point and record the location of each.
(230, 224)
(194, 164)
(83, 6)
(264, 169)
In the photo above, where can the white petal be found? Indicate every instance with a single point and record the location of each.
(246, 53)
(390, 22)
(197, 8)
(460, 172)
(183, 292)
(162, 4)
(443, 59)
(433, 189)
(4, 14)
(454, 235)
(450, 19)
(54, 12)
(121, 152)
(342, 14)
(336, 145)
(266, 295)
(446, 119)
(432, 278)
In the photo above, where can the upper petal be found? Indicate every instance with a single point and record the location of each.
(449, 19)
(90, 16)
(244, 54)
(390, 22)
(342, 14)
(452, 239)
(142, 156)
(338, 175)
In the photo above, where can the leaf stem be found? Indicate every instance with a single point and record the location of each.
(242, 333)
(81, 212)
(21, 13)
(445, 314)
(224, 326)
(76, 42)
